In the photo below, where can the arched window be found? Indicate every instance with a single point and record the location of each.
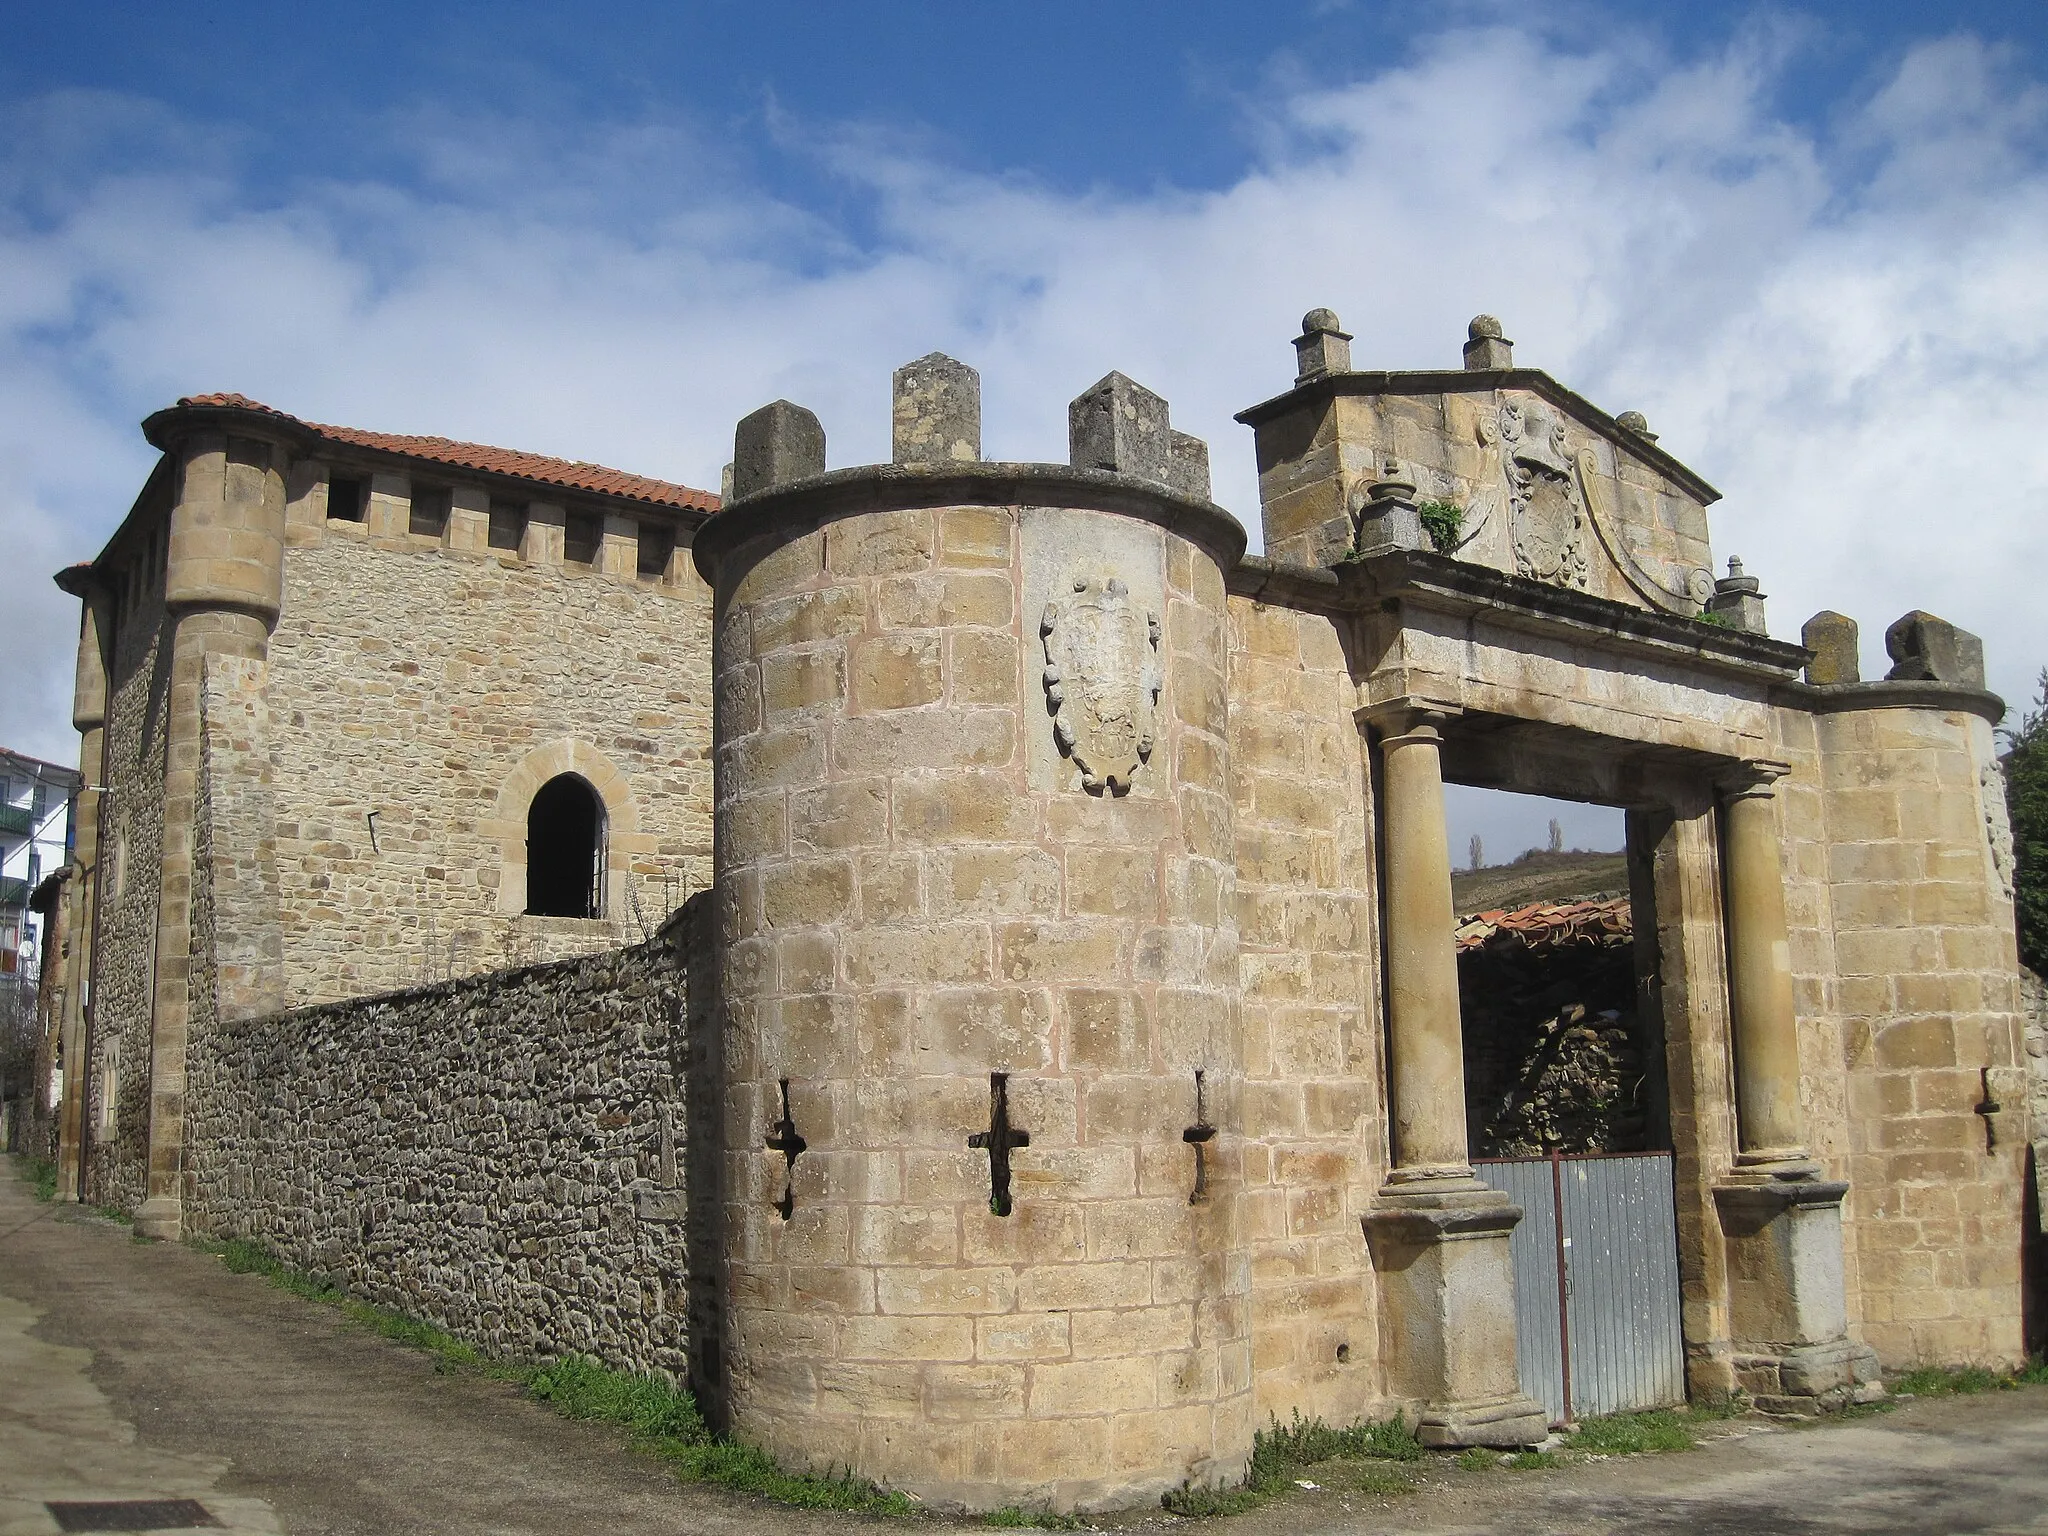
(565, 837)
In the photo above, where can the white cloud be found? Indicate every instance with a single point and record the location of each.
(1848, 335)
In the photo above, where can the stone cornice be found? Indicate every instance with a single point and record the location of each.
(871, 488)
(1440, 582)
(1837, 698)
(1434, 381)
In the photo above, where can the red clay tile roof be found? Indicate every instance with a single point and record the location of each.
(1548, 925)
(504, 461)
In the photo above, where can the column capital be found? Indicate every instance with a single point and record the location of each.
(1409, 715)
(1751, 778)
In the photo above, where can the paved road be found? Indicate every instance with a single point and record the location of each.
(141, 1370)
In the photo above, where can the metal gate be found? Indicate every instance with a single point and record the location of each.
(1596, 1280)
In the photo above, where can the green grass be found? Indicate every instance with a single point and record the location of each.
(1477, 1459)
(41, 1173)
(1962, 1380)
(1010, 1517)
(1281, 1452)
(1631, 1434)
(661, 1418)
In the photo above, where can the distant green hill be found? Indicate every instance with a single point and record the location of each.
(1539, 876)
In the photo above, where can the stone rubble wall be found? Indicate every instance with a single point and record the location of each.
(501, 1156)
(121, 979)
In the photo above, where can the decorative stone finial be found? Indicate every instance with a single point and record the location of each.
(1831, 637)
(777, 444)
(1487, 347)
(1739, 599)
(1924, 648)
(1321, 347)
(1385, 512)
(1633, 421)
(936, 412)
(1119, 424)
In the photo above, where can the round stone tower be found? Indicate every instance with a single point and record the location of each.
(978, 956)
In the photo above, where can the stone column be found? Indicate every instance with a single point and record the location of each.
(1439, 1237)
(1788, 1312)
(89, 719)
(1425, 1039)
(223, 587)
(1770, 1129)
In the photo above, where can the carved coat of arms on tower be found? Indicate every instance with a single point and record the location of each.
(1549, 517)
(1102, 679)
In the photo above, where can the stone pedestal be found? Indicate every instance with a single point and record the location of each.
(1792, 1350)
(1447, 1314)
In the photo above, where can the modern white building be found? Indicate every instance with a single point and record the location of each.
(37, 802)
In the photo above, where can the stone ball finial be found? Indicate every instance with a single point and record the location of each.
(1484, 328)
(1318, 321)
(1734, 568)
(1633, 421)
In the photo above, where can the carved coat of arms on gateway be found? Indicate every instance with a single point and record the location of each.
(1549, 517)
(1102, 680)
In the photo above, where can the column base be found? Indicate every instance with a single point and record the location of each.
(1502, 1423)
(1791, 1349)
(160, 1217)
(1447, 1311)
(1809, 1379)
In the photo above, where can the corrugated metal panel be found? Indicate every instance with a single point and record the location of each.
(1622, 1317)
(1533, 1245)
(1627, 1339)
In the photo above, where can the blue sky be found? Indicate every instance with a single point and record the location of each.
(1806, 241)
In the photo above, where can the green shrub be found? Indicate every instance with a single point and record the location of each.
(2026, 797)
(1442, 521)
(42, 1173)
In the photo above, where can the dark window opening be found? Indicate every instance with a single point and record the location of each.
(656, 545)
(565, 838)
(430, 511)
(582, 533)
(508, 524)
(346, 500)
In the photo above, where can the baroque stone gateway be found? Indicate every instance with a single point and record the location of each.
(956, 959)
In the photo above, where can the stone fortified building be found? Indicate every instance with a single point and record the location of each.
(1055, 1069)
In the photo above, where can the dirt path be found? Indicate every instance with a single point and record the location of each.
(131, 1370)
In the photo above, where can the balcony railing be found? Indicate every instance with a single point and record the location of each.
(15, 821)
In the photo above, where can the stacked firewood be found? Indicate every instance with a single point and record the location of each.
(1554, 1060)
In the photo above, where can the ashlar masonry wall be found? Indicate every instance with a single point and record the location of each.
(436, 683)
(501, 1156)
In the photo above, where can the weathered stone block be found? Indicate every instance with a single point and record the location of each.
(936, 415)
(776, 445)
(1120, 425)
(1832, 639)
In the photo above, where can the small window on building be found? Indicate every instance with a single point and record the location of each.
(582, 533)
(565, 853)
(657, 543)
(346, 500)
(430, 505)
(110, 1090)
(508, 524)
